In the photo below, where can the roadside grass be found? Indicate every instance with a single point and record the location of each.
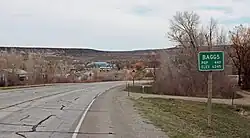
(25, 86)
(6, 88)
(188, 119)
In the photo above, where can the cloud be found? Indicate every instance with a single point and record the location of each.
(109, 24)
(241, 20)
(141, 10)
(225, 10)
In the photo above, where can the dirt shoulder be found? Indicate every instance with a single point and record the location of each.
(241, 101)
(113, 115)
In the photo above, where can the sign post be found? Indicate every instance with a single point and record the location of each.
(133, 75)
(210, 61)
(209, 98)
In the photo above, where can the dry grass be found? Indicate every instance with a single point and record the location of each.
(27, 86)
(187, 119)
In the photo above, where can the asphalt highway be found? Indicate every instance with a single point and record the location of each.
(44, 112)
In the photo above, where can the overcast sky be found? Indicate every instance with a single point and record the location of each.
(106, 24)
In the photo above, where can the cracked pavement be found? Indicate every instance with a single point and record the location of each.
(44, 112)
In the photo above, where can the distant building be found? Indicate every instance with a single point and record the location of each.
(147, 70)
(139, 65)
(13, 77)
(101, 65)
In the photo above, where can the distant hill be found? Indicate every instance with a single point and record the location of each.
(87, 54)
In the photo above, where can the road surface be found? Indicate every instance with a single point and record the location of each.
(43, 112)
(112, 115)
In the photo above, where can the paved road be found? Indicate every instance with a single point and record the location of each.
(43, 112)
(113, 115)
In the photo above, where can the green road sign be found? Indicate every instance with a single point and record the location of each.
(211, 61)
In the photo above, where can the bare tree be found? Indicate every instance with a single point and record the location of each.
(221, 37)
(240, 39)
(12, 62)
(153, 63)
(51, 71)
(179, 74)
(3, 61)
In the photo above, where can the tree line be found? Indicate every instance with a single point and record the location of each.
(179, 75)
(38, 69)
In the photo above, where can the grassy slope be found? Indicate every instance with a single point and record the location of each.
(186, 119)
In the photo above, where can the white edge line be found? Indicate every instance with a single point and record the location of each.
(82, 119)
(84, 115)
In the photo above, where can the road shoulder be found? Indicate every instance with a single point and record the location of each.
(113, 115)
(241, 101)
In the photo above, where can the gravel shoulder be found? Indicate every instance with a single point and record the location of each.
(241, 101)
(113, 116)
